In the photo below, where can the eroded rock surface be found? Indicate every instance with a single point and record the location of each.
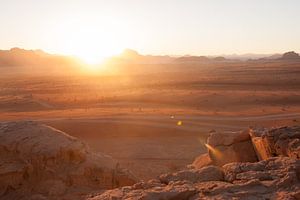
(39, 162)
(275, 178)
(284, 141)
(228, 147)
(201, 161)
(250, 146)
(230, 170)
(208, 173)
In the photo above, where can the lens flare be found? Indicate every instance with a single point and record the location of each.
(214, 151)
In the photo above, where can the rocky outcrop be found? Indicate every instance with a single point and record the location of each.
(227, 147)
(201, 161)
(208, 173)
(37, 161)
(230, 170)
(275, 178)
(249, 146)
(284, 141)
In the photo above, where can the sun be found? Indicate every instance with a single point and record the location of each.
(93, 50)
(91, 58)
(91, 41)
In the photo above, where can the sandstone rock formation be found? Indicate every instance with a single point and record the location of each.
(201, 161)
(249, 146)
(275, 178)
(284, 141)
(208, 173)
(227, 147)
(271, 178)
(39, 162)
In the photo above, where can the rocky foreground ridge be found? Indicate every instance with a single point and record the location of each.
(254, 164)
(40, 162)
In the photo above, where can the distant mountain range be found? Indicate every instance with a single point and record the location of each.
(39, 58)
(132, 56)
(20, 57)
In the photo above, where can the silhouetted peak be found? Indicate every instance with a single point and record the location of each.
(219, 58)
(193, 59)
(17, 49)
(290, 55)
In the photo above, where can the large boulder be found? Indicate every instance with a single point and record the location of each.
(39, 160)
(227, 147)
(284, 141)
(227, 138)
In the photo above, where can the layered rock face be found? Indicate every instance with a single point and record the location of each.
(284, 141)
(275, 178)
(39, 162)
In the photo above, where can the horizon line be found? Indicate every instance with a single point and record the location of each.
(147, 54)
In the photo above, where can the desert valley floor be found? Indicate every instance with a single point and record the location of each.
(156, 121)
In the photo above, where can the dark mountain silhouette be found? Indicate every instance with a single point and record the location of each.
(290, 56)
(193, 59)
(219, 58)
(20, 57)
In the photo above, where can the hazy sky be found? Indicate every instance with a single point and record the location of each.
(97, 28)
